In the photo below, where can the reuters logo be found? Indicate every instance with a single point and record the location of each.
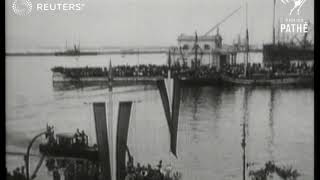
(22, 7)
(297, 4)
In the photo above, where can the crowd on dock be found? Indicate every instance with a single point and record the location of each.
(135, 71)
(88, 170)
(85, 169)
(141, 70)
(138, 172)
(117, 71)
(270, 168)
(73, 169)
(237, 70)
(16, 174)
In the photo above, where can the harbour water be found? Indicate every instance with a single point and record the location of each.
(280, 119)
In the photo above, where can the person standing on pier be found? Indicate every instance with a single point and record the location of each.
(56, 175)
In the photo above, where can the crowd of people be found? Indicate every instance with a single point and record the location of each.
(88, 170)
(149, 70)
(148, 172)
(117, 71)
(253, 69)
(73, 170)
(80, 138)
(91, 170)
(141, 70)
(271, 168)
(17, 174)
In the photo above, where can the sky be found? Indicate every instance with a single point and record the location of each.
(142, 22)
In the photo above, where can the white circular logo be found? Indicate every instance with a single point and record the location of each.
(22, 7)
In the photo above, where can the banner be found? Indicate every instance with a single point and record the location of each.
(122, 136)
(170, 95)
(99, 110)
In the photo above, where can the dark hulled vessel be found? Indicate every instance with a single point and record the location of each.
(296, 49)
(281, 53)
(75, 52)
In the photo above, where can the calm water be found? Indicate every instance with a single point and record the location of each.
(280, 120)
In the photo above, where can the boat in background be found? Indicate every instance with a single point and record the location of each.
(271, 77)
(296, 48)
(75, 52)
(72, 145)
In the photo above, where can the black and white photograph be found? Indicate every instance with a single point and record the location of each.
(159, 90)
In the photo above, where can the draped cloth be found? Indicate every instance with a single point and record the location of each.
(99, 109)
(170, 95)
(120, 136)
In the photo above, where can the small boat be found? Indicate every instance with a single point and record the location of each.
(69, 145)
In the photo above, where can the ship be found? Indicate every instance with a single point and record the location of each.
(69, 145)
(75, 52)
(283, 51)
(277, 55)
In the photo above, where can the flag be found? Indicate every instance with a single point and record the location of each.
(99, 110)
(169, 59)
(122, 136)
(112, 138)
(110, 76)
(170, 95)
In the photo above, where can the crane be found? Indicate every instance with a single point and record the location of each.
(223, 20)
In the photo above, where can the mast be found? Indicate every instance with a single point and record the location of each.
(273, 28)
(138, 55)
(279, 34)
(110, 122)
(247, 43)
(169, 64)
(243, 144)
(196, 51)
(244, 133)
(110, 76)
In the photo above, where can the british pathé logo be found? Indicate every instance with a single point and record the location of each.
(21, 7)
(297, 4)
(294, 26)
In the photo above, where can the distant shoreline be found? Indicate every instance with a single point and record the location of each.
(96, 53)
(87, 53)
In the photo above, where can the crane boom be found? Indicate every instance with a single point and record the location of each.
(214, 27)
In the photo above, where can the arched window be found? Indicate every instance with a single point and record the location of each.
(206, 46)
